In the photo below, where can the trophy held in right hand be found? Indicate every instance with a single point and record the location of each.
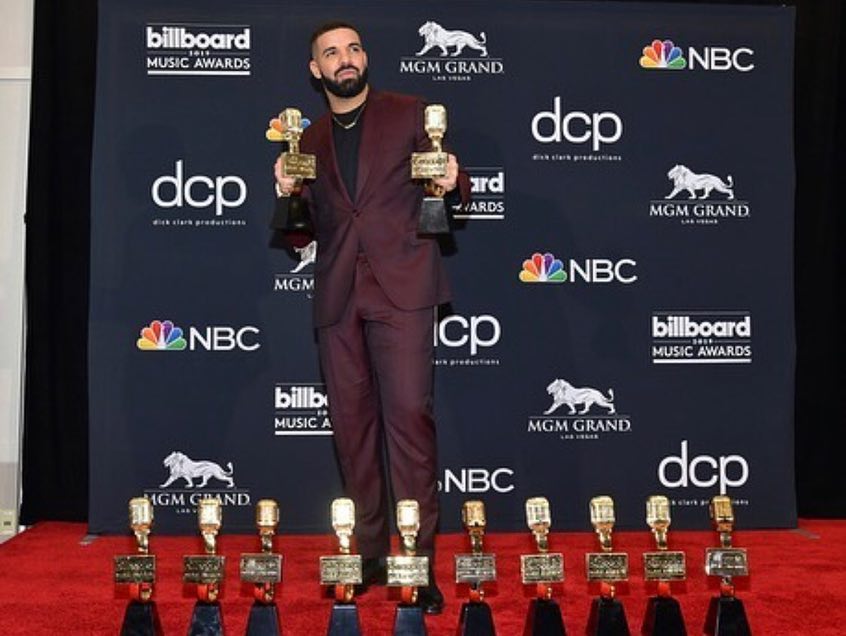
(726, 615)
(292, 213)
(542, 570)
(607, 614)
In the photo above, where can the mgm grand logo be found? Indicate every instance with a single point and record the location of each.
(699, 199)
(199, 479)
(451, 55)
(579, 413)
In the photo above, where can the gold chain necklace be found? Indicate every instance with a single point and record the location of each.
(353, 122)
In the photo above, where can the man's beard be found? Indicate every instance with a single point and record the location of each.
(349, 87)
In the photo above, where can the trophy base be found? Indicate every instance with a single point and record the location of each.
(476, 620)
(141, 619)
(607, 618)
(544, 619)
(264, 620)
(433, 217)
(726, 617)
(344, 620)
(409, 621)
(206, 620)
(292, 214)
(663, 618)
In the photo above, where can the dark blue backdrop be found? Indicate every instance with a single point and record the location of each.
(674, 321)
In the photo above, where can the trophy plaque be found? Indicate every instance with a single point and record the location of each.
(343, 572)
(663, 612)
(408, 571)
(292, 212)
(264, 571)
(432, 165)
(207, 572)
(726, 614)
(542, 570)
(607, 614)
(139, 572)
(475, 569)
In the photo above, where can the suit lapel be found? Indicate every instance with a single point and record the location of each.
(370, 143)
(327, 142)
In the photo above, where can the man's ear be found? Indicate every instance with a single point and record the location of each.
(315, 69)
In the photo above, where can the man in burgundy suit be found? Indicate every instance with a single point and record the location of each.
(376, 283)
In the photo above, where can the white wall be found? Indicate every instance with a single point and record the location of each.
(16, 25)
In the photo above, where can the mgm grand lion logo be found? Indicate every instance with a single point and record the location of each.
(183, 467)
(434, 35)
(684, 178)
(563, 392)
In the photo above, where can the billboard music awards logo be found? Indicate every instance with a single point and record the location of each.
(301, 409)
(451, 55)
(164, 335)
(579, 413)
(701, 337)
(197, 49)
(300, 280)
(465, 341)
(197, 200)
(488, 188)
(191, 480)
(665, 55)
(581, 136)
(545, 268)
(699, 198)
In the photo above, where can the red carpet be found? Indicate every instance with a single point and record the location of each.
(50, 584)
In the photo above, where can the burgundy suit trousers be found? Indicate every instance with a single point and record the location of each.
(377, 361)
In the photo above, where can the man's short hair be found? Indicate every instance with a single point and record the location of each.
(330, 26)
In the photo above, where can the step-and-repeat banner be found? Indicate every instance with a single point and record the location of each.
(623, 314)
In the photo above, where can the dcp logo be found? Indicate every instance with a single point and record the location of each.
(703, 471)
(199, 191)
(576, 127)
(477, 480)
(477, 331)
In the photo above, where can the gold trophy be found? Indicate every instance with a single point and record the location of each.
(726, 615)
(292, 213)
(408, 571)
(264, 571)
(542, 570)
(206, 571)
(139, 571)
(475, 569)
(607, 615)
(432, 165)
(343, 571)
(663, 612)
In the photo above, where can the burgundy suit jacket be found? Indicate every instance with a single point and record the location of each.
(381, 216)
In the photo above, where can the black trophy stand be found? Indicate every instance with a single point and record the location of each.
(263, 620)
(141, 619)
(344, 620)
(726, 617)
(409, 618)
(544, 619)
(292, 214)
(206, 620)
(476, 620)
(433, 216)
(607, 618)
(663, 617)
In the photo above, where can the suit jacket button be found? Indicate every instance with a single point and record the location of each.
(356, 212)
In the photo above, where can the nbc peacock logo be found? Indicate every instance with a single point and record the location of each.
(663, 55)
(543, 268)
(161, 335)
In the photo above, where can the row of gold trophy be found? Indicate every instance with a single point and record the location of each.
(409, 571)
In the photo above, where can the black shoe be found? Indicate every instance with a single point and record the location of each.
(373, 572)
(430, 599)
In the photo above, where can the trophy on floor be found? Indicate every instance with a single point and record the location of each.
(431, 165)
(292, 212)
(542, 570)
(475, 569)
(607, 615)
(726, 615)
(663, 612)
(408, 572)
(206, 571)
(139, 571)
(264, 571)
(343, 572)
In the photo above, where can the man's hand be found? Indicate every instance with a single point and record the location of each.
(284, 185)
(449, 182)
